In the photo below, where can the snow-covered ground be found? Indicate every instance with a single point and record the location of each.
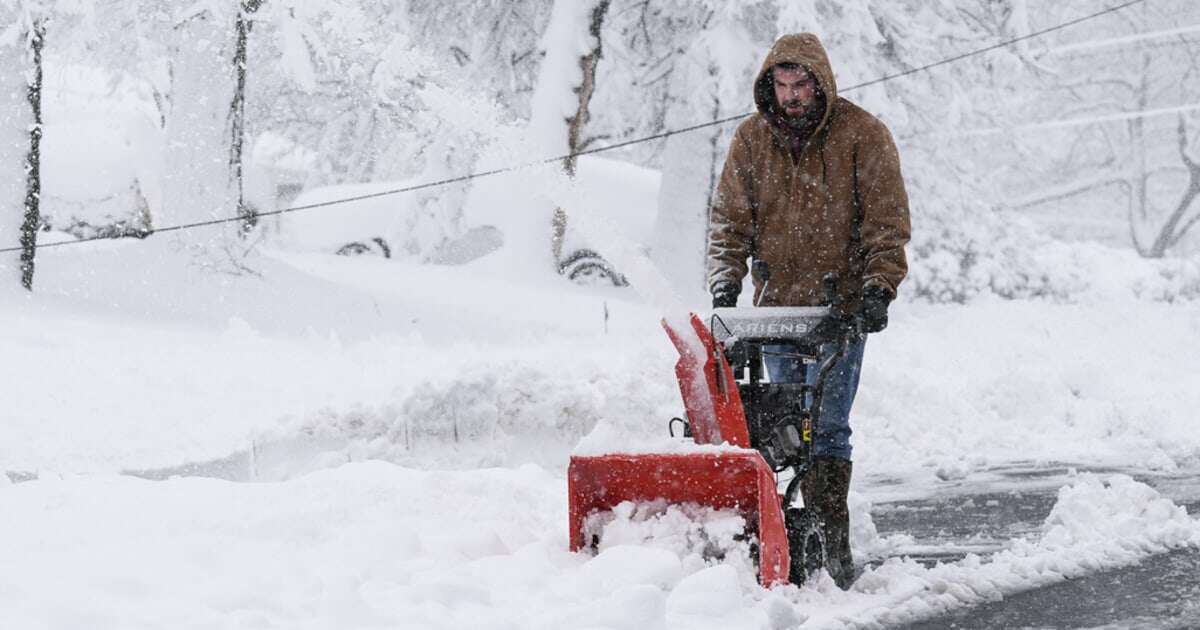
(399, 434)
(360, 442)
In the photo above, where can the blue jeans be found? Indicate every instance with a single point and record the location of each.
(833, 426)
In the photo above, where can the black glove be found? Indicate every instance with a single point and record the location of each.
(874, 310)
(725, 295)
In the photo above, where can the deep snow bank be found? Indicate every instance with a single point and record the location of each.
(377, 545)
(132, 358)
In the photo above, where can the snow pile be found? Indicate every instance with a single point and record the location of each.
(608, 439)
(865, 541)
(361, 545)
(379, 545)
(145, 360)
(330, 229)
(529, 407)
(698, 535)
(1096, 524)
(1117, 520)
(1102, 383)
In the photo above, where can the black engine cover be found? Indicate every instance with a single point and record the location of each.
(775, 420)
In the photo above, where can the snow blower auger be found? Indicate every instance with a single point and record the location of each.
(764, 428)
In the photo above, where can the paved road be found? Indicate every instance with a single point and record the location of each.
(980, 516)
(1161, 593)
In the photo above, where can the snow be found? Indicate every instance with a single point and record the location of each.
(374, 544)
(669, 544)
(330, 228)
(605, 440)
(322, 441)
(393, 452)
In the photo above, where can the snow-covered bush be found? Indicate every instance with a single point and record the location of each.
(1172, 280)
(960, 253)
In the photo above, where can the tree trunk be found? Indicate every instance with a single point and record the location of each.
(201, 178)
(706, 83)
(576, 123)
(587, 64)
(20, 136)
(196, 176)
(1171, 232)
(237, 114)
(1139, 210)
(691, 166)
(33, 160)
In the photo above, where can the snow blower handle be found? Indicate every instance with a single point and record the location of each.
(830, 283)
(761, 269)
(846, 327)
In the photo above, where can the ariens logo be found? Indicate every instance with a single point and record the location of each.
(769, 328)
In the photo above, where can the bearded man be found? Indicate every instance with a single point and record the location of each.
(811, 187)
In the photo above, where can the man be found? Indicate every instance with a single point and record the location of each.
(812, 186)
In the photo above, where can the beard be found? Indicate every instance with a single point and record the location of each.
(808, 118)
(799, 121)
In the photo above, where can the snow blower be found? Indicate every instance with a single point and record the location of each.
(762, 428)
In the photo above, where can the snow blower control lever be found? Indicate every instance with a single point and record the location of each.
(762, 270)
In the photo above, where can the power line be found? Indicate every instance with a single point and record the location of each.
(1121, 41)
(605, 148)
(1003, 44)
(1062, 123)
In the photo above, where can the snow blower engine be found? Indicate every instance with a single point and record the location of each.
(764, 431)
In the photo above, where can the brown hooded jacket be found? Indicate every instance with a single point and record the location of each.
(838, 206)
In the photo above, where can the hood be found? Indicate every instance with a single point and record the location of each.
(806, 50)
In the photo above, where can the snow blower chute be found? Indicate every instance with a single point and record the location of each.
(765, 429)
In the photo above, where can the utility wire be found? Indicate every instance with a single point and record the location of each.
(1065, 122)
(605, 148)
(1003, 44)
(1126, 39)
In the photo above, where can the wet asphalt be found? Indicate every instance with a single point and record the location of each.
(982, 516)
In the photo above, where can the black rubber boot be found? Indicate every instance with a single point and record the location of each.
(829, 492)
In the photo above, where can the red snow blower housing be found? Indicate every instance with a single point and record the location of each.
(766, 429)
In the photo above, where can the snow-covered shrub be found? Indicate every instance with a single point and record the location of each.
(485, 413)
(960, 253)
(957, 255)
(1172, 280)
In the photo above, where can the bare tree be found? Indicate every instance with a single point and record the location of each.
(1177, 223)
(576, 123)
(710, 78)
(21, 94)
(1143, 159)
(203, 178)
(559, 111)
(237, 111)
(33, 160)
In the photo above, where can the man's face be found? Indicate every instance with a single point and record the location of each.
(795, 91)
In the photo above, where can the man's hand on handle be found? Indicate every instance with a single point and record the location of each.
(874, 310)
(725, 295)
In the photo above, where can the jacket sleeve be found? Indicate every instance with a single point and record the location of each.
(885, 228)
(731, 218)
